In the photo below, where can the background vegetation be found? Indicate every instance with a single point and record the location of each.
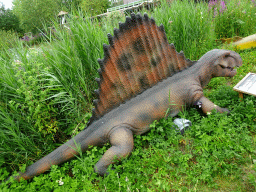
(95, 7)
(46, 94)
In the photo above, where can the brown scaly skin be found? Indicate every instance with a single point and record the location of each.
(118, 126)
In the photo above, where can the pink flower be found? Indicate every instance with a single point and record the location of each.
(212, 3)
(222, 6)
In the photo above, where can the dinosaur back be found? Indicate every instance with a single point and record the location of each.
(138, 56)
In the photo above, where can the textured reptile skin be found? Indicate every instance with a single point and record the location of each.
(141, 77)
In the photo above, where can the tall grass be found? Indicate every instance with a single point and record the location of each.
(25, 114)
(48, 90)
(188, 26)
(73, 58)
(7, 39)
(234, 18)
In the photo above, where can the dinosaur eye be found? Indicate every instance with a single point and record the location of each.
(222, 66)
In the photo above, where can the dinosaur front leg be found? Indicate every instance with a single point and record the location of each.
(208, 106)
(122, 144)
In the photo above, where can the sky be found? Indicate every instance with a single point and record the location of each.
(7, 3)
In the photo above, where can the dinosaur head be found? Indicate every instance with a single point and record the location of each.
(225, 63)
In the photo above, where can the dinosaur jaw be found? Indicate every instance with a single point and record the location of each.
(228, 71)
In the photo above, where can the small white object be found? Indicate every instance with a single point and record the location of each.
(182, 124)
(60, 181)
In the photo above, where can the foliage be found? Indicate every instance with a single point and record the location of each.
(215, 146)
(46, 97)
(9, 21)
(8, 39)
(115, 3)
(70, 5)
(111, 21)
(34, 14)
(26, 108)
(95, 7)
(234, 18)
(73, 60)
(187, 25)
(34, 90)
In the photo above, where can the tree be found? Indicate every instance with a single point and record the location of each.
(33, 14)
(9, 21)
(94, 7)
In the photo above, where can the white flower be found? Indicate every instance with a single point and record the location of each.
(60, 181)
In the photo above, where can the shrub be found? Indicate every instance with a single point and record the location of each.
(29, 115)
(9, 21)
(234, 18)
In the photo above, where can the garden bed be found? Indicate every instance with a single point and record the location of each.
(46, 98)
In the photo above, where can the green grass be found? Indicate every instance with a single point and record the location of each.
(46, 97)
(188, 26)
(238, 18)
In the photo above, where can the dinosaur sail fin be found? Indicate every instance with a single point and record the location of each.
(138, 56)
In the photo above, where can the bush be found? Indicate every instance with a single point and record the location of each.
(234, 18)
(29, 115)
(9, 21)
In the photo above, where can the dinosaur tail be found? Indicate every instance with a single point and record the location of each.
(61, 154)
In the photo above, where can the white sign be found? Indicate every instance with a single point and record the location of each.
(247, 84)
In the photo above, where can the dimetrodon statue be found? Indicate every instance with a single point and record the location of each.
(142, 77)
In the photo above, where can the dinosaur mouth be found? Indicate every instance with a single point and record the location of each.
(230, 71)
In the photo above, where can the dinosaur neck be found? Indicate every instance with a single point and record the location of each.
(204, 74)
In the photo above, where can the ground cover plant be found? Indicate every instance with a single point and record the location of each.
(46, 96)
